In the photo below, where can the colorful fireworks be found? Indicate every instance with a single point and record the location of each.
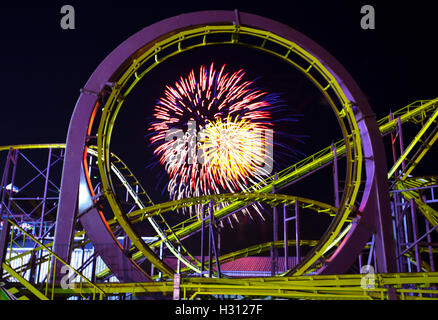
(213, 133)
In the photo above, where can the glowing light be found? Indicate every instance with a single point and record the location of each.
(212, 132)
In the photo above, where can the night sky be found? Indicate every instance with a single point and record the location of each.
(43, 66)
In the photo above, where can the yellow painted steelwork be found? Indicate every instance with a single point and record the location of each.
(273, 199)
(256, 249)
(298, 287)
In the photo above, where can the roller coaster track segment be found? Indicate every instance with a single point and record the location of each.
(424, 140)
(79, 234)
(409, 190)
(419, 146)
(416, 112)
(256, 249)
(33, 146)
(129, 178)
(240, 200)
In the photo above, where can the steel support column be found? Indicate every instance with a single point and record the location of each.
(374, 208)
(202, 239)
(415, 235)
(429, 240)
(212, 243)
(297, 231)
(285, 238)
(274, 251)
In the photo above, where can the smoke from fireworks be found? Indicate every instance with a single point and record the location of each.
(213, 133)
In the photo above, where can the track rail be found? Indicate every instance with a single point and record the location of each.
(340, 287)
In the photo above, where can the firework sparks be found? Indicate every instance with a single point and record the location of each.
(213, 133)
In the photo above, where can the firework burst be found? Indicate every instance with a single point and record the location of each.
(213, 133)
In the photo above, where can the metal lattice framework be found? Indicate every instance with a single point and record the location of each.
(356, 217)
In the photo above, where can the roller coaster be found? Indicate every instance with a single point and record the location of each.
(379, 243)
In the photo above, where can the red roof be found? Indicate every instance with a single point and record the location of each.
(244, 264)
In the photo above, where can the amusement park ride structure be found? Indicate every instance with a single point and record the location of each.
(379, 244)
